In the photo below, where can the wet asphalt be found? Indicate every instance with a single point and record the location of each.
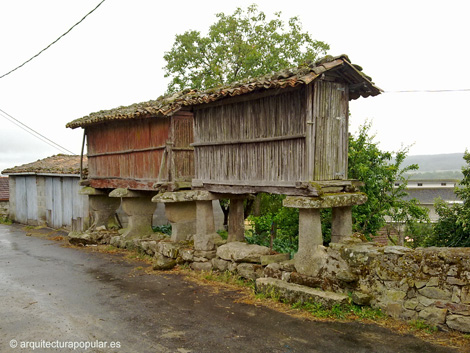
(55, 295)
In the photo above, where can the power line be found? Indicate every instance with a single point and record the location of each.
(431, 91)
(76, 24)
(33, 132)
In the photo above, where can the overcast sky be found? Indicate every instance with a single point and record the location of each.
(115, 57)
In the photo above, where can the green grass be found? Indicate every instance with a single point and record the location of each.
(340, 311)
(5, 220)
(228, 278)
(422, 326)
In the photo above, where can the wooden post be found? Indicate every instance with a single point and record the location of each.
(236, 225)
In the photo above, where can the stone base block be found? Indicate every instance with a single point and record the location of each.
(103, 210)
(182, 217)
(183, 230)
(294, 293)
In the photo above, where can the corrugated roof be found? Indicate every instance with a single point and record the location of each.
(58, 164)
(360, 86)
(4, 189)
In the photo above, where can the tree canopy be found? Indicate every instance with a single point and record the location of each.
(385, 184)
(244, 44)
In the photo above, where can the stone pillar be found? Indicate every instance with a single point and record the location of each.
(140, 214)
(182, 217)
(205, 237)
(341, 223)
(236, 221)
(309, 256)
(139, 208)
(204, 217)
(103, 211)
(184, 207)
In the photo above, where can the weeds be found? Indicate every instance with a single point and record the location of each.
(5, 220)
(340, 311)
(228, 278)
(422, 326)
(165, 229)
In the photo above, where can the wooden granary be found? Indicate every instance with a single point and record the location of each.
(284, 133)
(275, 133)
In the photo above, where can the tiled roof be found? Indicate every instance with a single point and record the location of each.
(58, 164)
(4, 189)
(360, 85)
(429, 195)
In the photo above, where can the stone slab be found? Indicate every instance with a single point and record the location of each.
(184, 196)
(269, 259)
(294, 293)
(88, 190)
(122, 192)
(326, 200)
(242, 252)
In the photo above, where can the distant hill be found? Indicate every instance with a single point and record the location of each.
(437, 166)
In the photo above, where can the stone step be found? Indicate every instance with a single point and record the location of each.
(294, 293)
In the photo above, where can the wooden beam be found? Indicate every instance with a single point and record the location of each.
(126, 151)
(256, 140)
(252, 189)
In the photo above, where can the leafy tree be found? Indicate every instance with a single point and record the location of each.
(381, 172)
(244, 44)
(453, 227)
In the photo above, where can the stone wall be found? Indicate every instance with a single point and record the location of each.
(4, 209)
(431, 284)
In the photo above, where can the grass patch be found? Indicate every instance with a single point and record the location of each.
(227, 277)
(139, 255)
(5, 220)
(422, 326)
(341, 311)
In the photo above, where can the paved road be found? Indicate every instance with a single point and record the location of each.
(50, 294)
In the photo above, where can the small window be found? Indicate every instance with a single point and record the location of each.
(420, 184)
(443, 184)
(397, 184)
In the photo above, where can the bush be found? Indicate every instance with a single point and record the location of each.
(418, 234)
(280, 221)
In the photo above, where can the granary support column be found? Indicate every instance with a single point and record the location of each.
(236, 221)
(182, 217)
(191, 215)
(311, 255)
(103, 208)
(341, 223)
(139, 208)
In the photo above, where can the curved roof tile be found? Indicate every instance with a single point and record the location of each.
(360, 86)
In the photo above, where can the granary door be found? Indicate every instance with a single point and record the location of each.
(328, 131)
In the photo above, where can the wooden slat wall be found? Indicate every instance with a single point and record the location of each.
(330, 117)
(183, 136)
(242, 158)
(125, 136)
